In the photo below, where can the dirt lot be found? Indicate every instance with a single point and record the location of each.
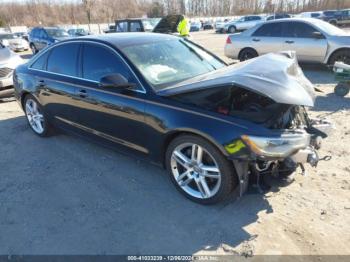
(64, 195)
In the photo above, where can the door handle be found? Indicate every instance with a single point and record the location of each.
(82, 93)
(256, 40)
(289, 42)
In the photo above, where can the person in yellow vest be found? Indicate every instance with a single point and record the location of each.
(183, 27)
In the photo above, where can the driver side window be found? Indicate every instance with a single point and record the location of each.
(99, 61)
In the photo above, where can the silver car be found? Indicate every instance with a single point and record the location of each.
(241, 24)
(8, 62)
(313, 40)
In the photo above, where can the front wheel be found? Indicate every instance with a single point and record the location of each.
(340, 56)
(199, 170)
(35, 116)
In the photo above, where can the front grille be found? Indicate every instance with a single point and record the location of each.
(5, 71)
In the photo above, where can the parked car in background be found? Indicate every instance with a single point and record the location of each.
(195, 26)
(76, 32)
(313, 40)
(213, 126)
(41, 37)
(8, 62)
(311, 15)
(241, 24)
(23, 35)
(208, 26)
(14, 43)
(277, 16)
(133, 25)
(219, 25)
(337, 18)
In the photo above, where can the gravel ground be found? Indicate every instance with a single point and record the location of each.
(64, 195)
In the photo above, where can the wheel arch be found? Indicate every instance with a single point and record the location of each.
(246, 48)
(335, 51)
(23, 97)
(170, 136)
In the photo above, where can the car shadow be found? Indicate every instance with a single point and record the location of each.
(318, 73)
(65, 195)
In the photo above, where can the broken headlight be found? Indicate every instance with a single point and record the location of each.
(277, 147)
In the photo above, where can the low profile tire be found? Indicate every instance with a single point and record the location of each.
(247, 54)
(340, 56)
(33, 48)
(232, 30)
(199, 170)
(36, 117)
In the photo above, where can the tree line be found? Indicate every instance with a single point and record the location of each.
(54, 12)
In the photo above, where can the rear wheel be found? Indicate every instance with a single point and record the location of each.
(340, 56)
(199, 170)
(232, 30)
(35, 116)
(342, 89)
(247, 54)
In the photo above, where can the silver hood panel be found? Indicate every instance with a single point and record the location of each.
(275, 75)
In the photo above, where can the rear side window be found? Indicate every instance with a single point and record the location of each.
(135, 27)
(40, 63)
(298, 29)
(63, 59)
(99, 61)
(269, 30)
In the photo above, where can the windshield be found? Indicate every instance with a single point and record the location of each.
(170, 61)
(7, 36)
(328, 28)
(53, 32)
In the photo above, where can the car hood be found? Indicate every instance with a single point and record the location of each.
(9, 58)
(275, 75)
(17, 41)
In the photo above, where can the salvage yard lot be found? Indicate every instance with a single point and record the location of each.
(64, 195)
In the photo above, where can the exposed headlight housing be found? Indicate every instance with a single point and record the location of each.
(277, 147)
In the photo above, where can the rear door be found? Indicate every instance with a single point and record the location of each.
(56, 79)
(299, 37)
(268, 38)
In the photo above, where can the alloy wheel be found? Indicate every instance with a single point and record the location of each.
(195, 170)
(34, 116)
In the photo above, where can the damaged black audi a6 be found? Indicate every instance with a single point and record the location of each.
(170, 101)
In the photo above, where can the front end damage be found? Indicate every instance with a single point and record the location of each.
(272, 92)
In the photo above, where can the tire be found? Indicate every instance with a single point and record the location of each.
(33, 48)
(341, 56)
(342, 89)
(222, 178)
(247, 54)
(232, 29)
(36, 116)
(333, 22)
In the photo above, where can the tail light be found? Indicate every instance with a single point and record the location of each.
(228, 40)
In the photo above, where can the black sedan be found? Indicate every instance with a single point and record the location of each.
(169, 100)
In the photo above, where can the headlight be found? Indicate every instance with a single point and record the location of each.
(279, 147)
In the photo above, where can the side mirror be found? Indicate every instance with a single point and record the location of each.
(318, 35)
(115, 80)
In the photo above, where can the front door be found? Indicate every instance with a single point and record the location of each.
(112, 114)
(299, 36)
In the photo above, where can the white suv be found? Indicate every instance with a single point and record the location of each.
(244, 23)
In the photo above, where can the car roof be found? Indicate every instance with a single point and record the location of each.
(121, 40)
(295, 19)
